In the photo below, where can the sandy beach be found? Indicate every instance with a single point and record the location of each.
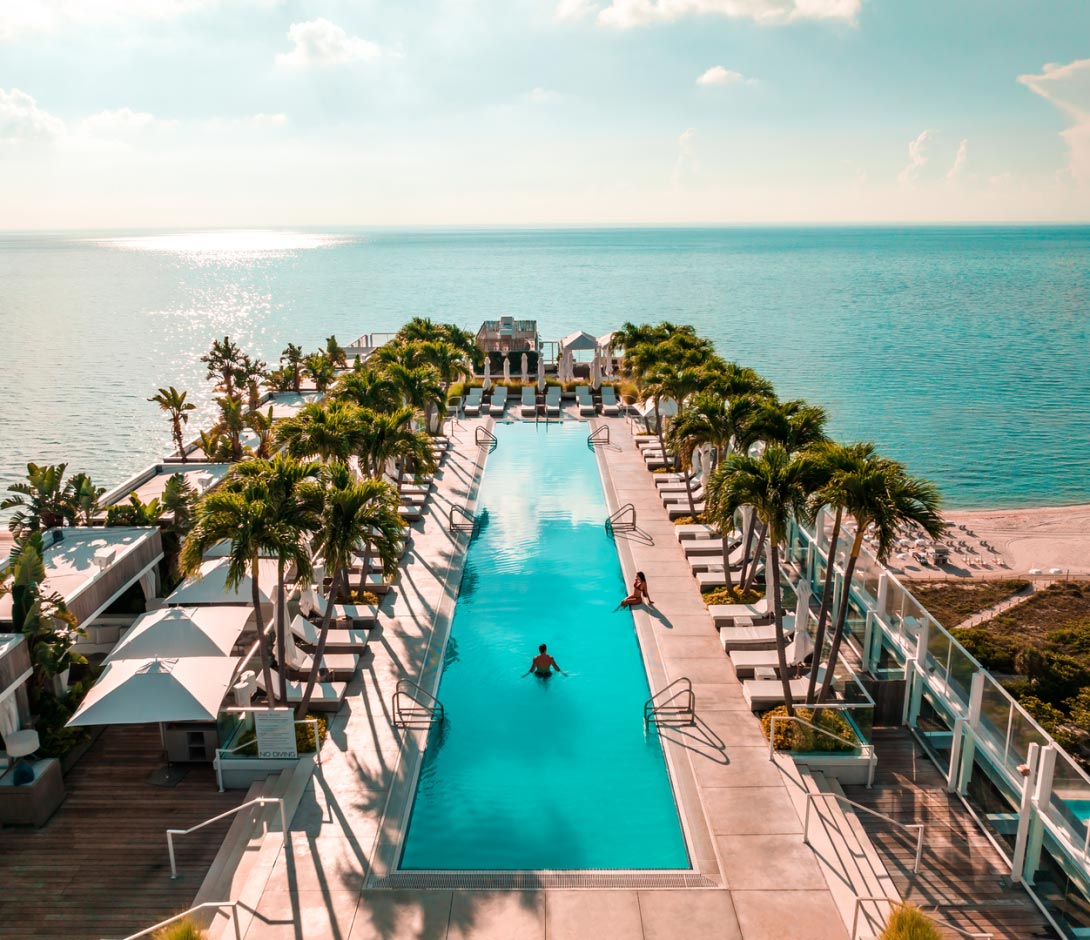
(989, 543)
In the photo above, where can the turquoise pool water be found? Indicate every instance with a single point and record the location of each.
(532, 773)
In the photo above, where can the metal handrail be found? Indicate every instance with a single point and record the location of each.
(867, 749)
(453, 526)
(945, 924)
(653, 708)
(218, 905)
(616, 519)
(432, 707)
(599, 435)
(918, 828)
(485, 437)
(257, 801)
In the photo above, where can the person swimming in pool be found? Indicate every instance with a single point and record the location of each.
(639, 593)
(543, 664)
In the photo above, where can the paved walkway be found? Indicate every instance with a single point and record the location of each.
(743, 829)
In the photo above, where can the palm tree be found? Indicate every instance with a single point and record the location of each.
(295, 501)
(84, 497)
(280, 380)
(367, 388)
(450, 364)
(668, 381)
(419, 387)
(177, 408)
(879, 495)
(232, 424)
(42, 502)
(292, 359)
(223, 361)
(386, 437)
(775, 486)
(261, 423)
(335, 352)
(247, 376)
(354, 514)
(321, 370)
(327, 430)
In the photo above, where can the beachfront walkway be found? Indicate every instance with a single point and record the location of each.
(744, 831)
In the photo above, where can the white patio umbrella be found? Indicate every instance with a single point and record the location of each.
(145, 691)
(507, 368)
(567, 364)
(698, 462)
(183, 631)
(802, 645)
(487, 383)
(540, 372)
(525, 367)
(595, 373)
(209, 586)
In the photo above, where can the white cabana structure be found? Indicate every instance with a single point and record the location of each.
(183, 631)
(210, 586)
(145, 691)
(605, 353)
(579, 340)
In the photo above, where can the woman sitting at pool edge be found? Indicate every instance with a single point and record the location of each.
(639, 593)
(542, 664)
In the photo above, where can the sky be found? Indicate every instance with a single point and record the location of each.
(250, 113)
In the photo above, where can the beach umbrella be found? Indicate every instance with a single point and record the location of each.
(182, 631)
(525, 367)
(540, 372)
(507, 368)
(698, 462)
(595, 373)
(567, 362)
(144, 691)
(487, 383)
(209, 586)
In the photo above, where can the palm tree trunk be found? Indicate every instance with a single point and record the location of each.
(319, 650)
(751, 574)
(777, 615)
(179, 438)
(727, 577)
(748, 544)
(281, 630)
(365, 568)
(841, 616)
(266, 669)
(826, 602)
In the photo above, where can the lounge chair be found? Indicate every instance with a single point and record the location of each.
(681, 510)
(695, 531)
(473, 401)
(499, 402)
(410, 513)
(338, 640)
(552, 401)
(336, 667)
(713, 548)
(313, 604)
(762, 637)
(682, 498)
(679, 487)
(584, 400)
(529, 401)
(763, 694)
(610, 405)
(724, 615)
(327, 696)
(671, 479)
(713, 578)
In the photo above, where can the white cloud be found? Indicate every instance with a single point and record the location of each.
(961, 161)
(1067, 87)
(267, 120)
(717, 75)
(320, 42)
(540, 95)
(122, 122)
(624, 14)
(571, 10)
(22, 119)
(23, 17)
(918, 154)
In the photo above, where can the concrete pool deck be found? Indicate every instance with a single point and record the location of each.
(743, 829)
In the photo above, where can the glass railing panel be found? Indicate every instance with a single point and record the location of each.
(1070, 801)
(960, 680)
(937, 653)
(995, 713)
(1024, 732)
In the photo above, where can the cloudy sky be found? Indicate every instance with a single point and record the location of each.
(162, 113)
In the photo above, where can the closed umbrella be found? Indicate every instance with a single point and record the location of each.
(595, 374)
(801, 644)
(540, 372)
(506, 369)
(487, 383)
(525, 367)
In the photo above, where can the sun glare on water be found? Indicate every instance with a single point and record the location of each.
(224, 244)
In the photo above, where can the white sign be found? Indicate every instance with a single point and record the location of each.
(275, 728)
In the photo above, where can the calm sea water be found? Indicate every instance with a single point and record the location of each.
(960, 351)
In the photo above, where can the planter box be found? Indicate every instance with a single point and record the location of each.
(31, 804)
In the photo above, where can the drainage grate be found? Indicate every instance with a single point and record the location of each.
(529, 880)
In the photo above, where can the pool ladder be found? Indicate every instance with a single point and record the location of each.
(599, 435)
(674, 702)
(485, 438)
(413, 706)
(623, 520)
(461, 520)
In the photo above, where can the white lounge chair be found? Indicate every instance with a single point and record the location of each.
(336, 667)
(763, 694)
(712, 548)
(683, 510)
(473, 401)
(712, 578)
(695, 531)
(724, 615)
(552, 401)
(529, 401)
(748, 638)
(584, 401)
(610, 405)
(327, 696)
(337, 641)
(499, 402)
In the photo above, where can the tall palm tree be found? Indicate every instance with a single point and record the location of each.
(321, 370)
(367, 388)
(418, 386)
(389, 437)
(177, 408)
(294, 496)
(355, 514)
(450, 364)
(248, 375)
(292, 358)
(261, 423)
(880, 495)
(830, 461)
(231, 425)
(775, 486)
(223, 361)
(327, 430)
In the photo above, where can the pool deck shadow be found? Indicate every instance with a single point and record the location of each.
(348, 829)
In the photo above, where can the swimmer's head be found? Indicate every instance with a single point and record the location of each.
(541, 649)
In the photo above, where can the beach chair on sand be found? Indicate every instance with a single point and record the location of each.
(327, 697)
(610, 405)
(552, 401)
(473, 401)
(529, 401)
(499, 402)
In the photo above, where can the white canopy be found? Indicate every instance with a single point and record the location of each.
(210, 586)
(667, 408)
(605, 341)
(183, 631)
(579, 340)
(143, 691)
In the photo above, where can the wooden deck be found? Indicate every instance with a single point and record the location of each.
(100, 868)
(963, 876)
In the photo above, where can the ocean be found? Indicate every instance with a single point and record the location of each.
(960, 351)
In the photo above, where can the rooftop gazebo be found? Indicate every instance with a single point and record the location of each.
(508, 335)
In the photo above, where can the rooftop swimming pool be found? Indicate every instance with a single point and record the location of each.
(530, 773)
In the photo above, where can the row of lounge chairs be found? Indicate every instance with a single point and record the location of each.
(474, 404)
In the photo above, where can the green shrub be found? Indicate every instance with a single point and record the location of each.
(995, 651)
(304, 738)
(184, 929)
(456, 390)
(690, 520)
(733, 595)
(908, 922)
(793, 736)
